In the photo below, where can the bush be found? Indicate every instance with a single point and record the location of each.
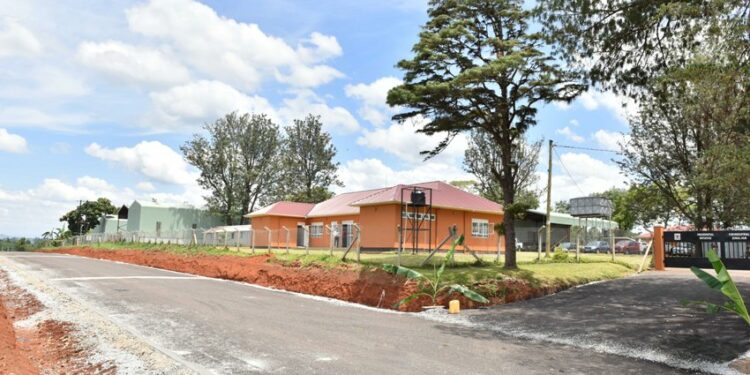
(560, 255)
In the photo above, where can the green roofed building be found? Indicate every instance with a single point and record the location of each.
(153, 217)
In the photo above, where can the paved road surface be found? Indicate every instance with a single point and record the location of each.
(215, 326)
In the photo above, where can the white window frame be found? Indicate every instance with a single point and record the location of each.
(480, 228)
(316, 230)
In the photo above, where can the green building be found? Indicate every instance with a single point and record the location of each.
(156, 218)
(110, 224)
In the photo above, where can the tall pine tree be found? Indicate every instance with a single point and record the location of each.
(477, 66)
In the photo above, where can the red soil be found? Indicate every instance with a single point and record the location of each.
(50, 347)
(372, 287)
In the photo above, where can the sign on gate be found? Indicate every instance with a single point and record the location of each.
(686, 249)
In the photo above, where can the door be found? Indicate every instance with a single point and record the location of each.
(300, 236)
(346, 230)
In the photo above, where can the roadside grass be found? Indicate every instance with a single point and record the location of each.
(465, 269)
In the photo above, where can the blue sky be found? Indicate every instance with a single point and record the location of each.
(97, 97)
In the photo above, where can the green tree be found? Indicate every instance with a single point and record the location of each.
(621, 213)
(307, 162)
(626, 44)
(238, 161)
(689, 141)
(477, 66)
(562, 207)
(86, 216)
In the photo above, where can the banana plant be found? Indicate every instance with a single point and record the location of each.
(433, 287)
(723, 283)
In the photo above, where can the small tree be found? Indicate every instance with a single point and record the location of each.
(478, 67)
(307, 161)
(434, 287)
(86, 216)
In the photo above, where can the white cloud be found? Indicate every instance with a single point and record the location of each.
(133, 64)
(32, 117)
(589, 176)
(12, 142)
(570, 134)
(40, 82)
(610, 140)
(33, 211)
(188, 106)
(361, 174)
(232, 51)
(403, 141)
(17, 40)
(622, 107)
(323, 48)
(575, 122)
(373, 97)
(149, 158)
(335, 119)
(145, 186)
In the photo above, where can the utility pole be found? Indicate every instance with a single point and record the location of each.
(549, 202)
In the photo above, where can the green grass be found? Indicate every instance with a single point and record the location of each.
(465, 270)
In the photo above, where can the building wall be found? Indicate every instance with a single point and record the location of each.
(379, 229)
(144, 218)
(276, 224)
(324, 241)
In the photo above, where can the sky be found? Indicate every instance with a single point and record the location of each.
(97, 97)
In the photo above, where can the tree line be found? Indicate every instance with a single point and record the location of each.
(479, 68)
(248, 161)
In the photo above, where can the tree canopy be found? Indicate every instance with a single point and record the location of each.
(86, 216)
(238, 160)
(625, 44)
(478, 66)
(307, 161)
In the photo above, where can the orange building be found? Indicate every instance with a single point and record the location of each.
(384, 219)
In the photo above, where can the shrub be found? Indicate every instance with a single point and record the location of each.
(560, 255)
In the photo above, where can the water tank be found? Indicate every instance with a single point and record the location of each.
(418, 198)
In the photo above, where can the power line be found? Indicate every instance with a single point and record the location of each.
(588, 148)
(567, 172)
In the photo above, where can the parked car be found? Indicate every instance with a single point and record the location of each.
(596, 247)
(628, 247)
(567, 246)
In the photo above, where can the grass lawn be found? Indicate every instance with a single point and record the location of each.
(466, 270)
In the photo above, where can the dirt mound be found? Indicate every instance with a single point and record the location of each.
(49, 347)
(372, 287)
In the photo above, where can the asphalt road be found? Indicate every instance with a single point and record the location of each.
(214, 326)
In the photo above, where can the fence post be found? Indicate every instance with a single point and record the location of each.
(252, 240)
(306, 230)
(658, 242)
(287, 238)
(398, 254)
(269, 238)
(359, 240)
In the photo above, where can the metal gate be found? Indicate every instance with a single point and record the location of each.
(687, 249)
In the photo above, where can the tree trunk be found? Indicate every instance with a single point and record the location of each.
(510, 241)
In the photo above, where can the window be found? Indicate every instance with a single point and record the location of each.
(316, 230)
(480, 228)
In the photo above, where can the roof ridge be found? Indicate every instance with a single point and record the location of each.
(375, 191)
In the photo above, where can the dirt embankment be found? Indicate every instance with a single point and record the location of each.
(372, 287)
(47, 347)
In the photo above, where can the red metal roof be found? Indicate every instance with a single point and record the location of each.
(290, 209)
(443, 196)
(342, 204)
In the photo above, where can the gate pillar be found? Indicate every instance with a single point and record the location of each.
(658, 247)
